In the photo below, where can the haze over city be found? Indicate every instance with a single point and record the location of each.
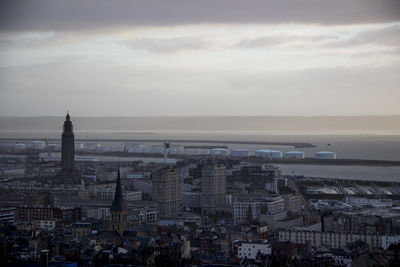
(199, 133)
(143, 58)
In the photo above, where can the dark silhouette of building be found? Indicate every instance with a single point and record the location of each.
(68, 174)
(67, 145)
(118, 212)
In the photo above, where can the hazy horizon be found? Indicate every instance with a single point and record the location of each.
(386, 125)
(200, 58)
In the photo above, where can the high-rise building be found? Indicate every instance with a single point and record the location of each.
(68, 172)
(118, 212)
(167, 190)
(213, 187)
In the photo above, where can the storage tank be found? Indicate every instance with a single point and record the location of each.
(293, 155)
(266, 153)
(239, 152)
(38, 144)
(219, 152)
(325, 155)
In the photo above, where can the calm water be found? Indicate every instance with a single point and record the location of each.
(379, 147)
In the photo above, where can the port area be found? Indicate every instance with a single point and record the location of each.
(306, 161)
(186, 141)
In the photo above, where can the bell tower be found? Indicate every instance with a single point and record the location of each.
(118, 212)
(67, 145)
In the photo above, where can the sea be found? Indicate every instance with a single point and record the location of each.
(347, 142)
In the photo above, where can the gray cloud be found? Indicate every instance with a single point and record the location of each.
(169, 45)
(388, 36)
(76, 15)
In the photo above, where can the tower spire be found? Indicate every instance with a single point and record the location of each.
(118, 212)
(118, 203)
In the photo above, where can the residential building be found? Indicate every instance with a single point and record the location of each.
(167, 190)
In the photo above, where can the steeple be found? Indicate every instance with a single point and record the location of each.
(118, 203)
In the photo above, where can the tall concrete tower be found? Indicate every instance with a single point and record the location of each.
(68, 174)
(67, 145)
(167, 190)
(213, 187)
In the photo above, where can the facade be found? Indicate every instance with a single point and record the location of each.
(374, 202)
(389, 240)
(47, 225)
(118, 212)
(293, 203)
(257, 175)
(167, 190)
(191, 200)
(250, 249)
(30, 214)
(213, 187)
(328, 239)
(8, 215)
(248, 208)
(81, 229)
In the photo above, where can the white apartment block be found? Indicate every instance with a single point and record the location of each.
(251, 248)
(329, 239)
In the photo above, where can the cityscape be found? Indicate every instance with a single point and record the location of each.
(200, 133)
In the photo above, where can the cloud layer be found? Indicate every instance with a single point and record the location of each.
(77, 15)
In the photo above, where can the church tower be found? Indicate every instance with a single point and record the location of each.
(67, 146)
(118, 212)
(68, 174)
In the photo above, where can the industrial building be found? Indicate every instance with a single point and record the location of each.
(325, 155)
(293, 155)
(266, 153)
(239, 152)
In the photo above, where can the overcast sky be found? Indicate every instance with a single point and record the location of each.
(208, 57)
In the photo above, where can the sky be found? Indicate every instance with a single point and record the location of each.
(209, 57)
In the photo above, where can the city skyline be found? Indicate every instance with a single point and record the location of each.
(210, 58)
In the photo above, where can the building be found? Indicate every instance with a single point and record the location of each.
(167, 190)
(251, 249)
(239, 152)
(68, 174)
(266, 153)
(372, 202)
(328, 239)
(46, 225)
(293, 203)
(59, 215)
(213, 187)
(118, 212)
(389, 240)
(259, 176)
(81, 229)
(293, 155)
(8, 215)
(248, 208)
(325, 155)
(32, 161)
